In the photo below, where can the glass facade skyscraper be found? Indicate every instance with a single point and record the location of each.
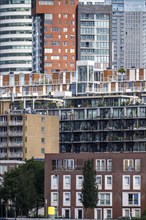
(128, 33)
(134, 33)
(15, 36)
(94, 34)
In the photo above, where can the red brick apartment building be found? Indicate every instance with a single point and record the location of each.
(121, 179)
(54, 35)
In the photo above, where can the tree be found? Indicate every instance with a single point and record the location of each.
(121, 70)
(89, 194)
(23, 187)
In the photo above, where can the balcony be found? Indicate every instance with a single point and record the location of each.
(3, 123)
(15, 155)
(132, 168)
(64, 168)
(104, 168)
(3, 133)
(15, 133)
(15, 123)
(15, 144)
(3, 155)
(3, 144)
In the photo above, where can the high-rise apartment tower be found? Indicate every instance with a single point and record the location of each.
(15, 36)
(94, 33)
(54, 35)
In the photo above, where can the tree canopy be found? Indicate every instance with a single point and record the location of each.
(89, 195)
(23, 188)
(121, 70)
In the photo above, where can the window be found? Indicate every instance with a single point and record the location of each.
(100, 165)
(126, 212)
(48, 16)
(72, 50)
(66, 213)
(42, 129)
(55, 29)
(46, 2)
(66, 198)
(66, 181)
(42, 119)
(48, 50)
(126, 182)
(55, 43)
(131, 199)
(98, 213)
(48, 64)
(72, 64)
(108, 182)
(3, 169)
(54, 198)
(49, 36)
(79, 181)
(65, 57)
(104, 165)
(68, 164)
(65, 43)
(78, 199)
(107, 213)
(136, 182)
(54, 181)
(65, 15)
(136, 213)
(57, 165)
(99, 181)
(45, 57)
(65, 29)
(43, 150)
(55, 57)
(43, 140)
(105, 199)
(131, 165)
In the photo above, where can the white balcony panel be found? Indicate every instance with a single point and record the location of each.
(16, 66)
(25, 43)
(16, 36)
(21, 28)
(15, 13)
(16, 58)
(16, 6)
(16, 51)
(23, 21)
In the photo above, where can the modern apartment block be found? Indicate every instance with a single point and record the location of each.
(23, 136)
(120, 178)
(15, 36)
(94, 34)
(112, 123)
(128, 33)
(135, 34)
(35, 84)
(54, 35)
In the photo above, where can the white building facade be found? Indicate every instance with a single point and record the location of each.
(15, 36)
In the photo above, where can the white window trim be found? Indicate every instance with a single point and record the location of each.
(108, 186)
(125, 186)
(78, 186)
(99, 185)
(66, 185)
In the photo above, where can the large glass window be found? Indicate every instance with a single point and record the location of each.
(82, 73)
